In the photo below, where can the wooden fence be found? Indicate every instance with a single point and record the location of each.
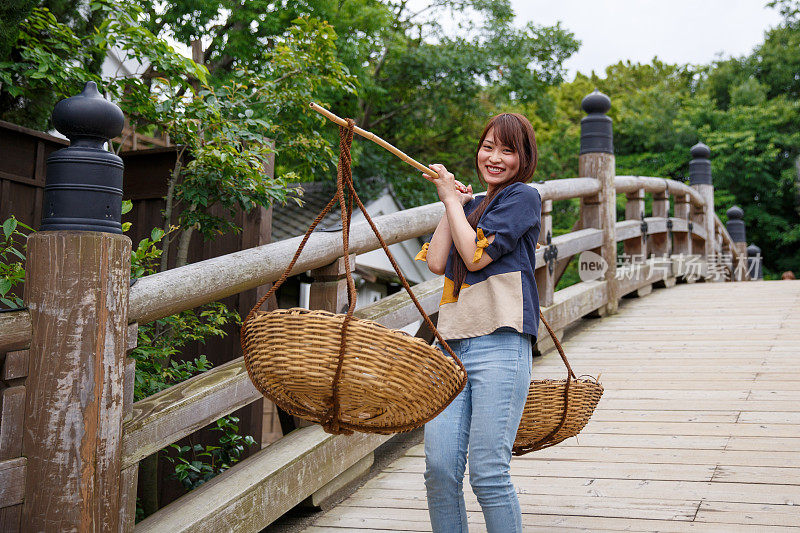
(60, 478)
(22, 181)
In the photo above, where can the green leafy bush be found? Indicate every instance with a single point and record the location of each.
(12, 261)
(196, 464)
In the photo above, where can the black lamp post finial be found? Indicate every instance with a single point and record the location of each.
(597, 133)
(700, 165)
(83, 190)
(735, 224)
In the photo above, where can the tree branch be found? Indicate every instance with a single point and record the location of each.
(287, 75)
(390, 114)
(168, 208)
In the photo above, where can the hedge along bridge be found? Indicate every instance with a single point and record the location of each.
(72, 437)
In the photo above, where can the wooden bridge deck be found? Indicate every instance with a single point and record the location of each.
(698, 429)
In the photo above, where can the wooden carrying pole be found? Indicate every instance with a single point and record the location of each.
(377, 140)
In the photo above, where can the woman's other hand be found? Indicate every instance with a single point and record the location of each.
(464, 192)
(448, 187)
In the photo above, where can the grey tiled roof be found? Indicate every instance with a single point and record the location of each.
(291, 220)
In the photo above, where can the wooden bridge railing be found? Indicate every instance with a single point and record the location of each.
(256, 491)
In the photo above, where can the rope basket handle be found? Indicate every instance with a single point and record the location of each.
(570, 373)
(543, 442)
(344, 179)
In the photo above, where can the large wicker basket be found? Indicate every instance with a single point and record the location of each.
(389, 382)
(556, 409)
(346, 373)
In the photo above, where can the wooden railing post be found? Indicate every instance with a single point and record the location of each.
(329, 289)
(659, 242)
(700, 179)
(545, 276)
(682, 241)
(754, 272)
(737, 231)
(636, 248)
(596, 160)
(78, 275)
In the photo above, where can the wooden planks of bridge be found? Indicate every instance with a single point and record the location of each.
(698, 429)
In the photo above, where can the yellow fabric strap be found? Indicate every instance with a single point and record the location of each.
(423, 254)
(481, 243)
(447, 293)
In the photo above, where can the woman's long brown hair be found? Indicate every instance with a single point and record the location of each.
(516, 132)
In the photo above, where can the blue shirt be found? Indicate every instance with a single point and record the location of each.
(503, 293)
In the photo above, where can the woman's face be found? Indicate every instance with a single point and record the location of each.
(497, 162)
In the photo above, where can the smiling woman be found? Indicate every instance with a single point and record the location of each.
(489, 314)
(506, 154)
(496, 161)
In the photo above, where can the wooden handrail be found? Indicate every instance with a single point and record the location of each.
(169, 292)
(175, 290)
(564, 189)
(172, 291)
(628, 184)
(232, 490)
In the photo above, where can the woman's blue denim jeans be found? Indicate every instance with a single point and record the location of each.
(483, 420)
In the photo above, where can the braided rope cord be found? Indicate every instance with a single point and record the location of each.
(344, 180)
(542, 443)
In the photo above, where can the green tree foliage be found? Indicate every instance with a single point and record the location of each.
(422, 85)
(12, 261)
(196, 464)
(33, 49)
(753, 151)
(746, 109)
(228, 126)
(11, 14)
(429, 89)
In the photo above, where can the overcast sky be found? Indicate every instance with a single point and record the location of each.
(677, 31)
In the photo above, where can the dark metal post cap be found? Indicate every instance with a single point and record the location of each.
(735, 225)
(88, 114)
(700, 165)
(753, 250)
(597, 132)
(83, 187)
(735, 213)
(700, 150)
(596, 102)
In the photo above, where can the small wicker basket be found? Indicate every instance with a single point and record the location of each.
(556, 410)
